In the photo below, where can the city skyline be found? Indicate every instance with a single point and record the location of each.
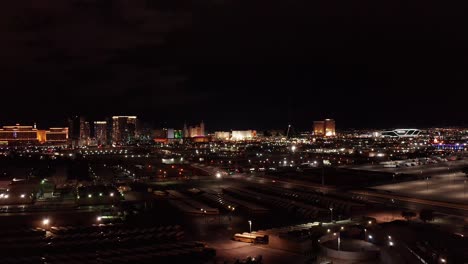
(215, 126)
(145, 131)
(184, 69)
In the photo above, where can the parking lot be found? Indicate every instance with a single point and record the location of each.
(450, 187)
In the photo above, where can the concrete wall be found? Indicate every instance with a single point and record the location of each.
(289, 244)
(348, 255)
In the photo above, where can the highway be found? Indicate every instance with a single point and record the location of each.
(457, 209)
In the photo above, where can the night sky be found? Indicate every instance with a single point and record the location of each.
(235, 64)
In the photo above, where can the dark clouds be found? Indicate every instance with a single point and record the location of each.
(236, 64)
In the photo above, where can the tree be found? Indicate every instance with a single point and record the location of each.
(426, 215)
(408, 215)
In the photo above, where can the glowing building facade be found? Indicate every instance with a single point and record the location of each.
(325, 128)
(222, 135)
(85, 132)
(194, 131)
(18, 135)
(243, 134)
(100, 132)
(56, 135)
(319, 128)
(124, 129)
(30, 135)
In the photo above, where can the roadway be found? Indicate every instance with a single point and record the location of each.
(448, 207)
(428, 169)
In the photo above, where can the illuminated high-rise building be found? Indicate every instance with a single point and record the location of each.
(25, 135)
(85, 132)
(85, 129)
(74, 130)
(325, 128)
(124, 129)
(100, 132)
(186, 132)
(329, 128)
(56, 135)
(18, 135)
(319, 128)
(197, 131)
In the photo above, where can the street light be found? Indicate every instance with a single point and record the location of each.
(250, 226)
(331, 214)
(45, 222)
(339, 241)
(218, 175)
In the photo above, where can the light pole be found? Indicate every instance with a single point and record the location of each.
(250, 226)
(339, 240)
(218, 176)
(45, 223)
(427, 184)
(331, 214)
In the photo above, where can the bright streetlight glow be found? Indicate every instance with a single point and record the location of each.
(111, 194)
(370, 236)
(250, 226)
(218, 175)
(390, 243)
(99, 219)
(45, 221)
(23, 195)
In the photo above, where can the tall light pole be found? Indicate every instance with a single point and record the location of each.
(427, 184)
(331, 214)
(339, 240)
(250, 226)
(393, 208)
(45, 223)
(218, 176)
